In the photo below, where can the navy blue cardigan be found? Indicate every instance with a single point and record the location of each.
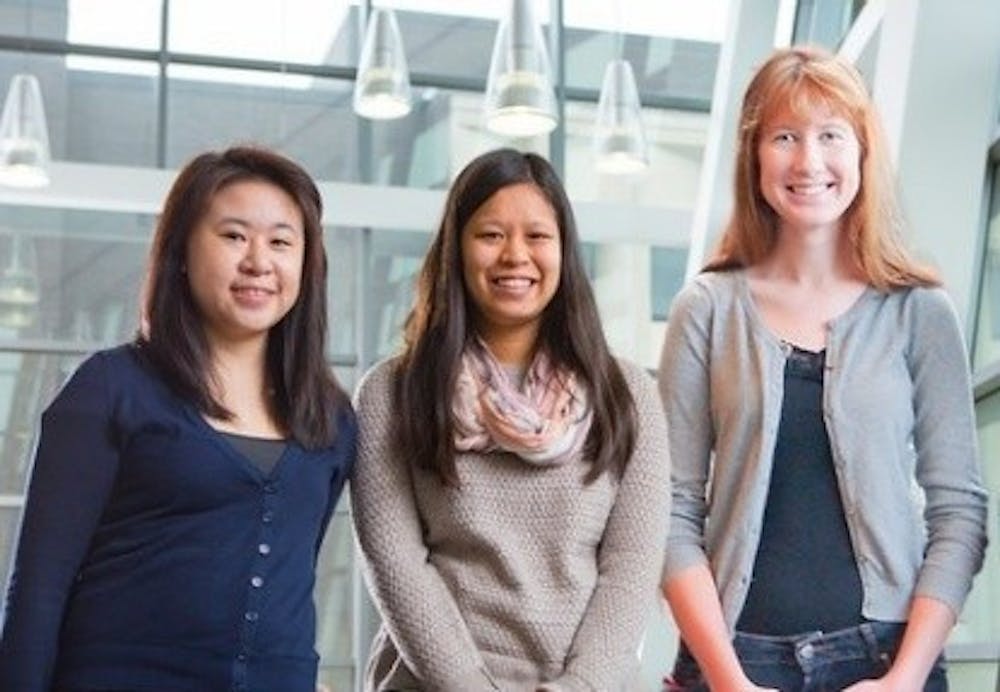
(154, 556)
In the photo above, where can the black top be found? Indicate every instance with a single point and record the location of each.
(805, 576)
(262, 451)
(154, 556)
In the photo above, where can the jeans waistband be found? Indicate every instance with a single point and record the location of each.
(869, 639)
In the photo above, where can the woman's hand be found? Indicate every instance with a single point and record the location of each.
(886, 683)
(746, 686)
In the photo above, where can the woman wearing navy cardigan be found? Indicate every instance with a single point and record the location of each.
(183, 483)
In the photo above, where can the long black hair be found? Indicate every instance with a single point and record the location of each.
(440, 325)
(306, 394)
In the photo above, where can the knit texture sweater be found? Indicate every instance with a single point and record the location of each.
(522, 577)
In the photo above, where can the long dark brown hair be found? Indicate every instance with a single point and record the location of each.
(441, 325)
(801, 78)
(307, 397)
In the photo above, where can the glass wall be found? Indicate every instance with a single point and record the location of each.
(979, 629)
(987, 345)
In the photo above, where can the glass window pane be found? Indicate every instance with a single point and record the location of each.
(112, 111)
(54, 83)
(454, 39)
(118, 23)
(334, 596)
(28, 381)
(84, 268)
(621, 278)
(436, 140)
(307, 119)
(664, 67)
(454, 42)
(676, 144)
(395, 261)
(825, 23)
(342, 246)
(97, 110)
(673, 47)
(980, 620)
(666, 278)
(987, 347)
(313, 32)
(44, 20)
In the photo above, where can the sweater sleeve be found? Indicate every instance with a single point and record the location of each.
(73, 472)
(416, 606)
(684, 381)
(946, 447)
(604, 650)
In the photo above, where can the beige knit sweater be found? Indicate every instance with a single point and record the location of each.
(522, 578)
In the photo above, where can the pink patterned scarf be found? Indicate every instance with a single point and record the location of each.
(545, 423)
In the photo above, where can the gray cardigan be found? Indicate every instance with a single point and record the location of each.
(523, 577)
(898, 410)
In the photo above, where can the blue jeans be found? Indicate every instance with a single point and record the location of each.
(811, 662)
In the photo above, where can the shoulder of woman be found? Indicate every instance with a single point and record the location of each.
(632, 371)
(640, 380)
(96, 380)
(929, 305)
(110, 365)
(698, 296)
(374, 387)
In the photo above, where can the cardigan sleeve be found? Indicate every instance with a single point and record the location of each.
(605, 648)
(74, 469)
(415, 604)
(685, 386)
(946, 447)
(345, 443)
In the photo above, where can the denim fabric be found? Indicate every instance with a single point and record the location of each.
(812, 662)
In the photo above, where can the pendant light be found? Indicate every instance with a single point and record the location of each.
(382, 87)
(24, 137)
(619, 140)
(19, 291)
(620, 146)
(520, 100)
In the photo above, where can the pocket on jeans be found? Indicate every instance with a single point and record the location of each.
(937, 679)
(686, 675)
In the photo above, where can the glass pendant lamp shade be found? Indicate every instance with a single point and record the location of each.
(619, 140)
(24, 137)
(382, 87)
(520, 100)
(19, 291)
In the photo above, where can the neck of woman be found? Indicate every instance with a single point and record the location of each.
(241, 384)
(511, 346)
(810, 262)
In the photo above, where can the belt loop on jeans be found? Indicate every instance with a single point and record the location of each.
(871, 641)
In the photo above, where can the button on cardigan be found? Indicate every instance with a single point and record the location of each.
(154, 556)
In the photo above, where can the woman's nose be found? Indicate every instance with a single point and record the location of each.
(514, 250)
(255, 258)
(809, 155)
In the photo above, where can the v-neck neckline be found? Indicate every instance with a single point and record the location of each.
(219, 439)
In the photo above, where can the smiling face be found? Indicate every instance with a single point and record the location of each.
(810, 168)
(244, 261)
(511, 263)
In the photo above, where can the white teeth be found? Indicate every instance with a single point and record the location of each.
(512, 282)
(813, 189)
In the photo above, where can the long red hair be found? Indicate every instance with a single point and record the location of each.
(803, 79)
